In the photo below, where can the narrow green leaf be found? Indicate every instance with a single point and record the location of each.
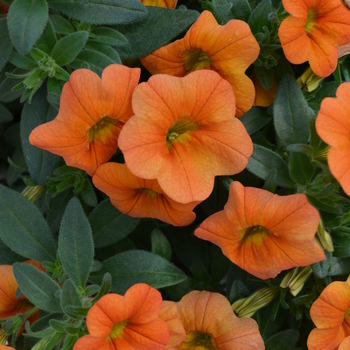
(26, 22)
(290, 112)
(48, 40)
(321, 269)
(255, 119)
(265, 76)
(5, 43)
(6, 85)
(70, 296)
(263, 161)
(54, 89)
(157, 29)
(68, 47)
(41, 164)
(25, 62)
(137, 266)
(241, 9)
(108, 36)
(160, 244)
(105, 50)
(75, 244)
(101, 11)
(23, 228)
(39, 288)
(300, 167)
(259, 17)
(61, 25)
(109, 225)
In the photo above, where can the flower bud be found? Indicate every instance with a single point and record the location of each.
(295, 279)
(309, 80)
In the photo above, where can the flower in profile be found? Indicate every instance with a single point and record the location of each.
(313, 33)
(126, 322)
(140, 198)
(333, 126)
(184, 133)
(331, 315)
(210, 323)
(264, 233)
(91, 114)
(171, 4)
(228, 50)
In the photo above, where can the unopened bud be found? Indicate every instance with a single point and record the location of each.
(32, 193)
(323, 238)
(247, 307)
(309, 80)
(3, 337)
(295, 279)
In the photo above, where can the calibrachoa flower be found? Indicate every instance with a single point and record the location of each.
(345, 344)
(210, 323)
(129, 322)
(184, 133)
(91, 114)
(313, 33)
(140, 198)
(228, 50)
(331, 315)
(264, 233)
(160, 3)
(333, 126)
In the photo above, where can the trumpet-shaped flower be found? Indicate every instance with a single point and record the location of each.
(333, 126)
(228, 50)
(211, 324)
(264, 233)
(129, 322)
(184, 133)
(313, 33)
(171, 4)
(91, 114)
(331, 315)
(140, 198)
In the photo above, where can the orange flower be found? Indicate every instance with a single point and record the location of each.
(126, 322)
(331, 315)
(210, 323)
(264, 233)
(92, 112)
(171, 4)
(140, 198)
(313, 33)
(184, 133)
(4, 347)
(228, 50)
(333, 126)
(263, 98)
(177, 334)
(345, 344)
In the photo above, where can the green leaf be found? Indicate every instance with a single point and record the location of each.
(25, 62)
(101, 11)
(255, 119)
(241, 9)
(39, 288)
(300, 168)
(68, 47)
(160, 244)
(26, 22)
(48, 40)
(327, 89)
(157, 29)
(97, 61)
(88, 194)
(5, 115)
(108, 36)
(6, 85)
(23, 228)
(70, 296)
(263, 161)
(285, 340)
(104, 50)
(41, 164)
(54, 89)
(75, 244)
(109, 225)
(321, 269)
(137, 266)
(290, 111)
(7, 256)
(259, 17)
(5, 43)
(61, 25)
(339, 266)
(265, 76)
